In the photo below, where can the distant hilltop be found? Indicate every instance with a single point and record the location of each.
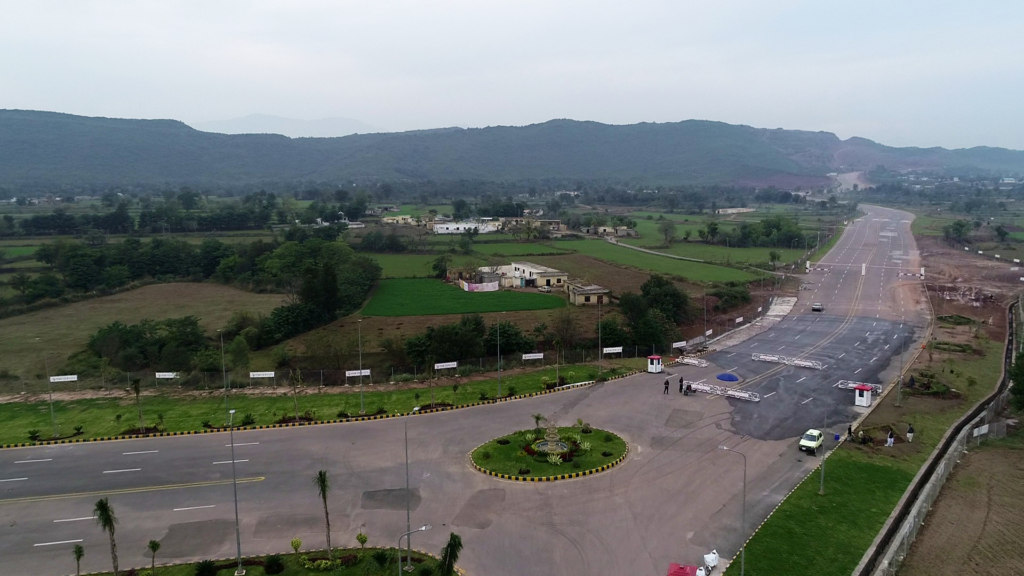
(62, 149)
(267, 124)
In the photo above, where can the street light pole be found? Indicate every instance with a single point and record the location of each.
(223, 370)
(600, 350)
(420, 529)
(899, 386)
(234, 487)
(824, 431)
(362, 408)
(743, 550)
(408, 497)
(499, 359)
(49, 390)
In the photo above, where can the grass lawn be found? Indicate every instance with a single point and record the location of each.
(365, 564)
(812, 535)
(415, 297)
(15, 251)
(694, 271)
(98, 416)
(56, 333)
(416, 265)
(515, 249)
(511, 459)
(715, 253)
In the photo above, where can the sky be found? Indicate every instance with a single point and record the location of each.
(907, 73)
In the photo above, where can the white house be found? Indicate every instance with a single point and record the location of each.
(482, 227)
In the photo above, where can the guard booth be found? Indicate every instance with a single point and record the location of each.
(654, 364)
(862, 395)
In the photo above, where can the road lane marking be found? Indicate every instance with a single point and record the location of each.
(894, 336)
(799, 335)
(129, 490)
(140, 452)
(30, 461)
(857, 370)
(769, 394)
(229, 461)
(119, 471)
(76, 519)
(55, 543)
(782, 348)
(730, 355)
(731, 369)
(843, 354)
(193, 508)
(802, 379)
(873, 359)
(13, 479)
(806, 401)
(242, 444)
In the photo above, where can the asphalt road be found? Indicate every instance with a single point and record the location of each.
(674, 498)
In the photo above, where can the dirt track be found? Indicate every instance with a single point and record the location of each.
(974, 526)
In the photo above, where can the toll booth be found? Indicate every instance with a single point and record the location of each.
(862, 395)
(654, 364)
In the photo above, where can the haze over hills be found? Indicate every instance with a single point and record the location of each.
(61, 149)
(268, 124)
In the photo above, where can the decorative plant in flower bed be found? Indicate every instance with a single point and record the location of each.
(542, 451)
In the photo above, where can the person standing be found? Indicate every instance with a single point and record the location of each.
(680, 384)
(890, 439)
(910, 432)
(849, 432)
(666, 386)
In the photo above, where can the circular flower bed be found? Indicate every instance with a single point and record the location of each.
(521, 453)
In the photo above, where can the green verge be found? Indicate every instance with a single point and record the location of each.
(510, 458)
(695, 271)
(292, 565)
(416, 297)
(814, 535)
(182, 413)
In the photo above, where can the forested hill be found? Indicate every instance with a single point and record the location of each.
(52, 148)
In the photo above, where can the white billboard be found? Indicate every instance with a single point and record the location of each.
(261, 374)
(613, 350)
(444, 365)
(534, 356)
(740, 319)
(65, 378)
(363, 372)
(166, 375)
(708, 333)
(681, 344)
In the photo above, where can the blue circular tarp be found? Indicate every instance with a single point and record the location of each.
(726, 377)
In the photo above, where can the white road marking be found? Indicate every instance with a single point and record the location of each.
(731, 369)
(894, 336)
(802, 379)
(769, 394)
(873, 359)
(843, 354)
(857, 370)
(30, 461)
(142, 452)
(193, 508)
(806, 401)
(76, 519)
(55, 543)
(730, 355)
(799, 335)
(781, 348)
(886, 346)
(242, 444)
(13, 479)
(229, 461)
(125, 470)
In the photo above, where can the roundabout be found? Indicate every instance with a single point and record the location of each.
(550, 454)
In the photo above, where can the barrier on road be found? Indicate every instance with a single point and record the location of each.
(723, 391)
(694, 362)
(806, 364)
(769, 358)
(850, 385)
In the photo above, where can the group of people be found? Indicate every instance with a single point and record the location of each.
(684, 388)
(890, 438)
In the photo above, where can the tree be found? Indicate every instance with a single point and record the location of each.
(153, 547)
(633, 307)
(450, 555)
(296, 544)
(440, 265)
(79, 553)
(20, 282)
(238, 353)
(1002, 233)
(687, 234)
(667, 229)
(565, 328)
(362, 539)
(1017, 390)
(662, 295)
(323, 488)
(460, 209)
(136, 385)
(296, 380)
(711, 230)
(537, 419)
(774, 257)
(104, 514)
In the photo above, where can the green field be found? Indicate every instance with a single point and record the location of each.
(417, 265)
(98, 416)
(15, 251)
(515, 249)
(694, 271)
(415, 297)
(715, 253)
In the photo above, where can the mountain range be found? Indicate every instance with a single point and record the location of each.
(290, 127)
(49, 148)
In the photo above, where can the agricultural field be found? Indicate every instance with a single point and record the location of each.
(419, 210)
(693, 271)
(515, 249)
(414, 297)
(56, 333)
(16, 251)
(715, 253)
(417, 265)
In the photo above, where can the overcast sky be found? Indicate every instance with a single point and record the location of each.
(905, 73)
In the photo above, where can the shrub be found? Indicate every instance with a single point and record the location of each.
(79, 428)
(608, 438)
(380, 410)
(529, 437)
(348, 560)
(206, 568)
(343, 414)
(584, 447)
(554, 459)
(606, 454)
(33, 434)
(504, 441)
(206, 423)
(483, 395)
(575, 464)
(296, 544)
(485, 455)
(274, 564)
(524, 471)
(381, 557)
(248, 419)
(362, 539)
(512, 391)
(426, 571)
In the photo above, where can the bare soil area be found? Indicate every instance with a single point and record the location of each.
(974, 525)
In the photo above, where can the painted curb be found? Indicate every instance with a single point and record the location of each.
(570, 476)
(318, 422)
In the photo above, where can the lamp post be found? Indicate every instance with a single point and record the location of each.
(408, 497)
(743, 550)
(234, 487)
(420, 529)
(899, 386)
(600, 350)
(223, 369)
(49, 390)
(362, 409)
(499, 359)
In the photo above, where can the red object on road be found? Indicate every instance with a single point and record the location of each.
(677, 570)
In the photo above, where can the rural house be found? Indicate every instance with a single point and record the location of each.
(586, 294)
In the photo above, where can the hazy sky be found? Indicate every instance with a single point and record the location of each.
(924, 73)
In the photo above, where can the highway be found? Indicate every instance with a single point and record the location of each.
(675, 497)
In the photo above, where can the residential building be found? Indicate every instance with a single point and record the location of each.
(734, 210)
(481, 226)
(526, 275)
(400, 219)
(586, 294)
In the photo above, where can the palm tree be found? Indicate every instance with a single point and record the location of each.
(136, 384)
(450, 555)
(536, 420)
(323, 487)
(153, 547)
(79, 552)
(106, 520)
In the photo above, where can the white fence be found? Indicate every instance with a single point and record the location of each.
(724, 391)
(798, 362)
(700, 363)
(850, 385)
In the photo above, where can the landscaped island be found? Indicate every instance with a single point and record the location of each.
(552, 451)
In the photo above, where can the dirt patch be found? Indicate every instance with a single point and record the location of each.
(975, 524)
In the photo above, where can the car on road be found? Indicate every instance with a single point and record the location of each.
(817, 307)
(544, 288)
(811, 441)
